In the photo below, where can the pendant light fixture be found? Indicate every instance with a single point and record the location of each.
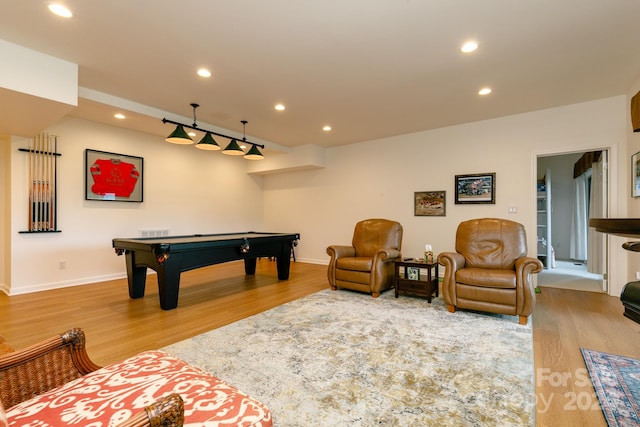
(180, 136)
(208, 143)
(254, 154)
(233, 149)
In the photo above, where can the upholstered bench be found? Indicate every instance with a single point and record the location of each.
(113, 394)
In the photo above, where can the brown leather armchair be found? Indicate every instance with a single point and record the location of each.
(490, 270)
(368, 264)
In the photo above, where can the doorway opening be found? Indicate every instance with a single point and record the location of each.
(570, 189)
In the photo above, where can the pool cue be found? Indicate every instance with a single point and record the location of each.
(47, 206)
(36, 183)
(40, 176)
(43, 219)
(54, 176)
(30, 185)
(52, 171)
(43, 183)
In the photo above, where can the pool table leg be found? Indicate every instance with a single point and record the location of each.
(250, 266)
(168, 287)
(283, 262)
(136, 276)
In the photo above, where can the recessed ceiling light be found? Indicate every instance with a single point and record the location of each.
(203, 72)
(469, 46)
(280, 107)
(191, 134)
(119, 116)
(60, 10)
(484, 91)
(326, 128)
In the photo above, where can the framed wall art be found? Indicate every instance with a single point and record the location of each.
(413, 273)
(112, 176)
(635, 175)
(476, 188)
(430, 203)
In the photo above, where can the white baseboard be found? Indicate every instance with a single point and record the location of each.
(65, 284)
(96, 279)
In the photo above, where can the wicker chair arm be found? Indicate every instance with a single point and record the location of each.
(165, 412)
(43, 366)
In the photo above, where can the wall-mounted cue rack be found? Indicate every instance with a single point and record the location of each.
(42, 184)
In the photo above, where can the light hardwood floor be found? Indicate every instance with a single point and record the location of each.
(210, 297)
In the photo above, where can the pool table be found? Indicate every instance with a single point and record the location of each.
(170, 256)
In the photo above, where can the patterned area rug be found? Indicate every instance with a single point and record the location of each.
(616, 380)
(345, 359)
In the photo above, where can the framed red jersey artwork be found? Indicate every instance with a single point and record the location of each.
(112, 176)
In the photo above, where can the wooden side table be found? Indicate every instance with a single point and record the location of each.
(423, 286)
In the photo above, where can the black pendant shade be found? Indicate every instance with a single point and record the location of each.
(208, 143)
(254, 154)
(179, 136)
(233, 149)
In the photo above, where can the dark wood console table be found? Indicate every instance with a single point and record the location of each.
(624, 227)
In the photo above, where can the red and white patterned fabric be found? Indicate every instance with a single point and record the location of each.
(3, 416)
(114, 393)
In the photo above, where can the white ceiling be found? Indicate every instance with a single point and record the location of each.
(369, 68)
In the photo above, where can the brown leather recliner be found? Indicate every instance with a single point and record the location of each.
(490, 270)
(368, 264)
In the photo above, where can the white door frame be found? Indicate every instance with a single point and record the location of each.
(613, 252)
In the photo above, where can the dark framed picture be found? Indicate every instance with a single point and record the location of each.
(476, 188)
(112, 176)
(430, 203)
(635, 175)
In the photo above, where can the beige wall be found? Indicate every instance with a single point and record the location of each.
(188, 191)
(633, 147)
(379, 178)
(5, 248)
